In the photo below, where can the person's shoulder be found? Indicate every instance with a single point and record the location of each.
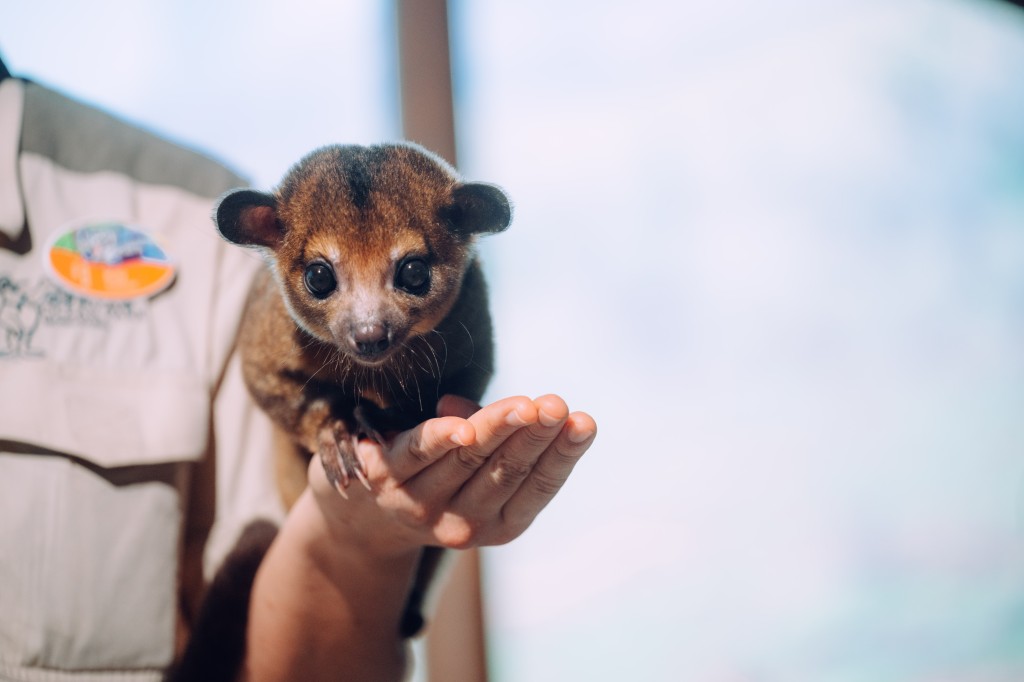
(87, 139)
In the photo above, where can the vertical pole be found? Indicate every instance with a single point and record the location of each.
(456, 644)
(425, 76)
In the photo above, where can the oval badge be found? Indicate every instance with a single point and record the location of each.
(110, 261)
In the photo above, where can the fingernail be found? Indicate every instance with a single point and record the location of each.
(513, 419)
(546, 419)
(579, 435)
(457, 440)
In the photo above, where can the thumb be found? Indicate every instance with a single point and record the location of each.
(456, 406)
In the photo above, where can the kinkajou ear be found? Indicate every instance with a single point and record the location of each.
(249, 218)
(477, 208)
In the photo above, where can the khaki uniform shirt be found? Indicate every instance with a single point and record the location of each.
(130, 454)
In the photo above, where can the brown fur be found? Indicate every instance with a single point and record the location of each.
(362, 212)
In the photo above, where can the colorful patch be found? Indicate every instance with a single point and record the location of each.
(109, 261)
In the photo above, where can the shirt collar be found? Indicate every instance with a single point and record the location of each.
(12, 210)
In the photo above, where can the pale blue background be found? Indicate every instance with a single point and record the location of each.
(777, 249)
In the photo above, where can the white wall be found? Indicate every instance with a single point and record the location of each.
(778, 250)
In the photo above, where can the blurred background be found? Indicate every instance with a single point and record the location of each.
(776, 249)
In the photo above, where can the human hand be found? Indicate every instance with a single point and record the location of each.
(471, 477)
(334, 586)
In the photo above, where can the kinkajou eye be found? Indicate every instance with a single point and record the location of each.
(413, 276)
(319, 279)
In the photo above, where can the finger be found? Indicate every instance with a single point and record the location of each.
(503, 474)
(550, 473)
(418, 448)
(451, 405)
(493, 424)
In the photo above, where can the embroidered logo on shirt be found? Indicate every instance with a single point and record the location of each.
(19, 319)
(26, 309)
(108, 261)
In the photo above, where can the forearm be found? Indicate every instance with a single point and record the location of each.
(323, 608)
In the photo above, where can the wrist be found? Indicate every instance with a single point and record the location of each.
(335, 530)
(323, 602)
